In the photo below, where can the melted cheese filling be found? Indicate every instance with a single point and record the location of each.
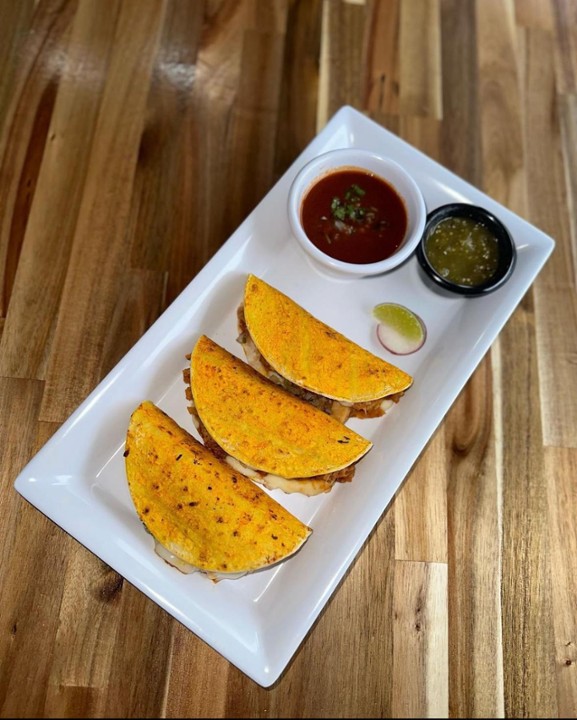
(188, 569)
(275, 482)
(342, 410)
(271, 482)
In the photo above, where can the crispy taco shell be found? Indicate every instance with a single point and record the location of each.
(263, 426)
(197, 507)
(312, 355)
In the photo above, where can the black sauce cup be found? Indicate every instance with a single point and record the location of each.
(507, 251)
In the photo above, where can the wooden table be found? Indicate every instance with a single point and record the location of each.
(135, 136)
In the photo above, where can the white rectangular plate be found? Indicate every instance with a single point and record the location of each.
(78, 478)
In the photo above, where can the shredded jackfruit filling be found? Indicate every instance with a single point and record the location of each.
(339, 409)
(305, 486)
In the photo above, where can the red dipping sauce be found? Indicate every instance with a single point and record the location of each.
(354, 216)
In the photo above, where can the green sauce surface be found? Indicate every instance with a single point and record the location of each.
(463, 251)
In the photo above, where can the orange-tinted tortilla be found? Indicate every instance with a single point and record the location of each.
(197, 507)
(313, 355)
(262, 425)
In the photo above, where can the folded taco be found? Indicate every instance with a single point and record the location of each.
(288, 345)
(262, 430)
(201, 513)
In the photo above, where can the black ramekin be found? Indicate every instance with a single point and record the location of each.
(507, 250)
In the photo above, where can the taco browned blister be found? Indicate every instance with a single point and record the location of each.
(202, 514)
(264, 431)
(287, 344)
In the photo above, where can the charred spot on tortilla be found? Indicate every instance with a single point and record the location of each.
(265, 432)
(287, 344)
(201, 513)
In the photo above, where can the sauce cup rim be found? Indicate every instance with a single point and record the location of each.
(388, 170)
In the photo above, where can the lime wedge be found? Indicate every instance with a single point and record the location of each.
(399, 329)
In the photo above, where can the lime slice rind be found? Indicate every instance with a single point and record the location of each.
(399, 329)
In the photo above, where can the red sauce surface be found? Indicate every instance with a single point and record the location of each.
(354, 216)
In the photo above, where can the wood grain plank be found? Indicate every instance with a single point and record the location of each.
(163, 206)
(54, 209)
(460, 130)
(420, 59)
(86, 636)
(500, 104)
(143, 651)
(18, 398)
(25, 127)
(207, 125)
(98, 253)
(299, 82)
(557, 354)
(546, 176)
(530, 689)
(565, 14)
(560, 466)
(73, 702)
(29, 609)
(341, 52)
(29, 596)
(568, 119)
(253, 122)
(381, 81)
(14, 29)
(43, 433)
(549, 180)
(421, 507)
(420, 676)
(206, 697)
(423, 133)
(269, 16)
(535, 14)
(474, 443)
(138, 306)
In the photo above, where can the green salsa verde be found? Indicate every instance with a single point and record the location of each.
(463, 251)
